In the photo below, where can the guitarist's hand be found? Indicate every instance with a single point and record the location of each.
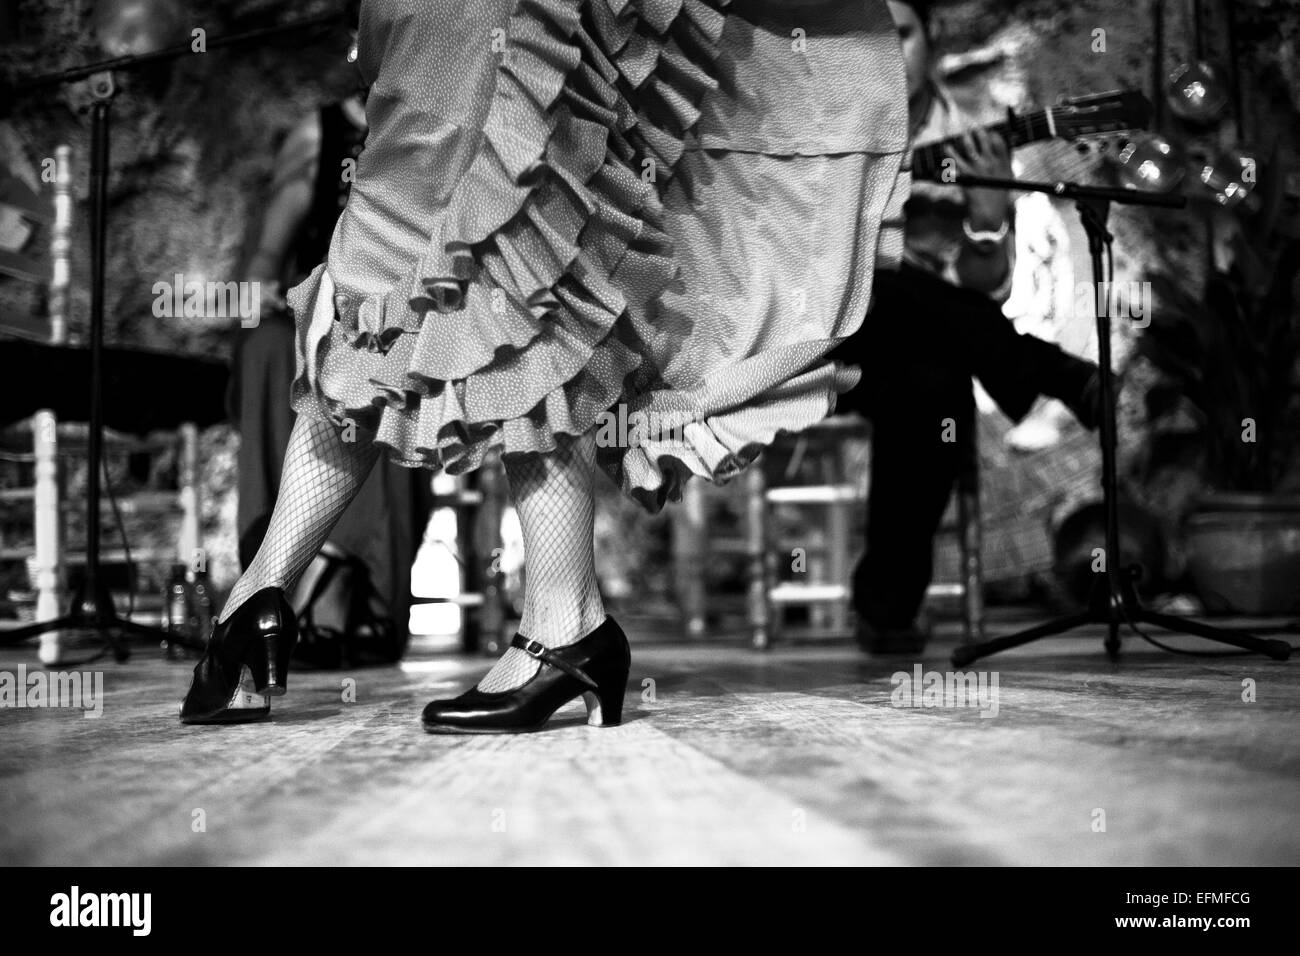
(982, 153)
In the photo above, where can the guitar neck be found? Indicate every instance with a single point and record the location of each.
(927, 161)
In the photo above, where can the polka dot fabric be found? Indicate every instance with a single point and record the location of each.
(563, 208)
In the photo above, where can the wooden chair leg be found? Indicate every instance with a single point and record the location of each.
(840, 519)
(760, 573)
(492, 484)
(47, 564)
(690, 544)
(189, 550)
(468, 511)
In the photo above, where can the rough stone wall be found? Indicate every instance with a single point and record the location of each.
(192, 147)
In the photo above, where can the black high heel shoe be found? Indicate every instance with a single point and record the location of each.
(246, 663)
(594, 668)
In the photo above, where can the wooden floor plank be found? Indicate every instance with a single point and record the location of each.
(728, 756)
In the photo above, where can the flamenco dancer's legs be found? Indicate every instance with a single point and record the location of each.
(247, 656)
(553, 494)
(567, 647)
(322, 474)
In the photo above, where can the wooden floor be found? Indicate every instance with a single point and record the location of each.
(793, 756)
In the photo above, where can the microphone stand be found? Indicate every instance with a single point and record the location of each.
(92, 606)
(1114, 600)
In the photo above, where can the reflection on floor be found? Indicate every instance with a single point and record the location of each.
(797, 755)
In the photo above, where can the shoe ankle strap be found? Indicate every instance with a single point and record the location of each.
(544, 654)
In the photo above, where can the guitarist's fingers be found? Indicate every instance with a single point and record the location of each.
(961, 166)
(970, 146)
(958, 149)
(997, 145)
(989, 145)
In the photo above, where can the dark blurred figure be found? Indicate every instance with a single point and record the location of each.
(933, 326)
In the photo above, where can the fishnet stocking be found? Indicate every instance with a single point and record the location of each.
(322, 474)
(553, 495)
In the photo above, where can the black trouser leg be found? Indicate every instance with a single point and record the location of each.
(918, 349)
(960, 327)
(916, 452)
(916, 389)
(259, 392)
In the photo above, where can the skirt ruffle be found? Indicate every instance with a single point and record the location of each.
(508, 333)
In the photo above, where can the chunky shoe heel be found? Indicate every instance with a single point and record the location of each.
(605, 705)
(594, 668)
(277, 666)
(245, 664)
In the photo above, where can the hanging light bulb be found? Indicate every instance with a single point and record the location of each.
(1197, 92)
(1231, 176)
(1151, 163)
(133, 27)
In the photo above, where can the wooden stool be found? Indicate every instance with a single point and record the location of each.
(828, 562)
(827, 556)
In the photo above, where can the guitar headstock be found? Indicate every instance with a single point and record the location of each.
(1101, 113)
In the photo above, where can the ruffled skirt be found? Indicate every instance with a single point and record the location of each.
(594, 254)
